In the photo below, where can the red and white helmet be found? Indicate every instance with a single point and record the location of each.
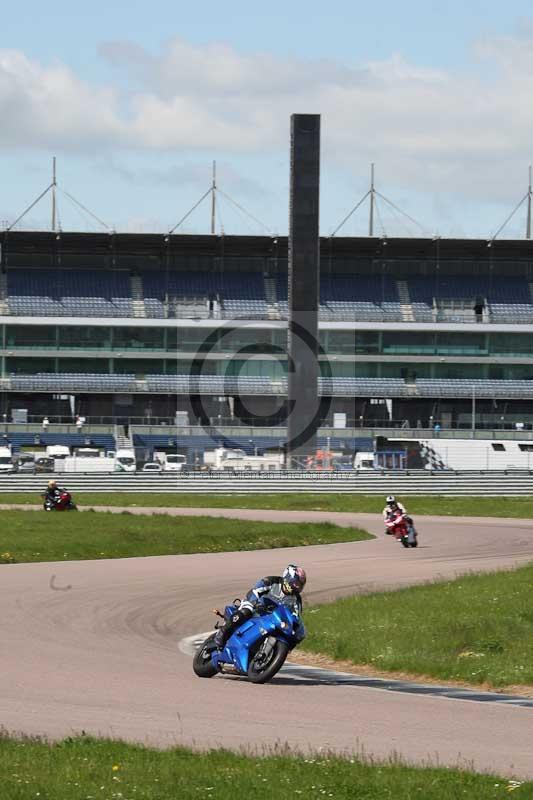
(294, 579)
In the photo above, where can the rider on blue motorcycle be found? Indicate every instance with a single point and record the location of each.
(284, 589)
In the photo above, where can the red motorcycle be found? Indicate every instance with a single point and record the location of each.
(63, 502)
(401, 526)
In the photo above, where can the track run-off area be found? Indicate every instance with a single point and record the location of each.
(93, 646)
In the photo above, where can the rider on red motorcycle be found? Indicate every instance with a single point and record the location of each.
(392, 508)
(53, 492)
(57, 497)
(398, 523)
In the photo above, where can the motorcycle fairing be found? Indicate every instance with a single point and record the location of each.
(237, 649)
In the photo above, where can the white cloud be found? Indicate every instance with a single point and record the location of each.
(466, 131)
(51, 106)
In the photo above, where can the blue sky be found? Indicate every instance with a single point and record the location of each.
(136, 105)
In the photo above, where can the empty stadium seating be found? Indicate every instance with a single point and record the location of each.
(246, 385)
(103, 441)
(241, 295)
(208, 294)
(357, 297)
(457, 387)
(504, 298)
(87, 293)
(204, 384)
(65, 382)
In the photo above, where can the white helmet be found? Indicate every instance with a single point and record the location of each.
(391, 499)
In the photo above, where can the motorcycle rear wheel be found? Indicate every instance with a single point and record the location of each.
(260, 671)
(202, 664)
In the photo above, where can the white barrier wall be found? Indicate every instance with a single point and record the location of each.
(477, 454)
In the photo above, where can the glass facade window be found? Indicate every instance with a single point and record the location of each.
(461, 344)
(253, 340)
(347, 369)
(136, 338)
(138, 366)
(184, 367)
(30, 336)
(29, 366)
(97, 365)
(511, 344)
(464, 371)
(398, 343)
(515, 372)
(338, 342)
(456, 344)
(366, 342)
(226, 340)
(251, 367)
(194, 340)
(86, 337)
(409, 372)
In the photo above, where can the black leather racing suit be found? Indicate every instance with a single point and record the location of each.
(53, 495)
(270, 586)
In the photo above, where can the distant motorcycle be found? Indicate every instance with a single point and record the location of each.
(257, 649)
(401, 526)
(63, 503)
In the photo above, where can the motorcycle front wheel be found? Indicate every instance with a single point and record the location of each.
(267, 660)
(202, 664)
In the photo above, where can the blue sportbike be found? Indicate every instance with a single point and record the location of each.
(258, 648)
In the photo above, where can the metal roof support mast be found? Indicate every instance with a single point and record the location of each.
(53, 188)
(526, 199)
(528, 224)
(372, 200)
(216, 193)
(54, 185)
(213, 199)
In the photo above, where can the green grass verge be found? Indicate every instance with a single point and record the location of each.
(83, 768)
(477, 629)
(519, 507)
(34, 536)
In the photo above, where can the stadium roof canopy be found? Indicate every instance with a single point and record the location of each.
(35, 243)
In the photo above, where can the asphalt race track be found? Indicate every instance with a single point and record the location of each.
(93, 646)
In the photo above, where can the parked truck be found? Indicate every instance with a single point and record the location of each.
(125, 460)
(90, 459)
(224, 459)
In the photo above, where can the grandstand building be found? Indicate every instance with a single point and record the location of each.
(139, 327)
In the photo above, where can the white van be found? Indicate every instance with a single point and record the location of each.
(125, 461)
(6, 460)
(174, 462)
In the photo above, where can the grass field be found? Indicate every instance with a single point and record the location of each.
(34, 536)
(477, 629)
(84, 768)
(519, 507)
